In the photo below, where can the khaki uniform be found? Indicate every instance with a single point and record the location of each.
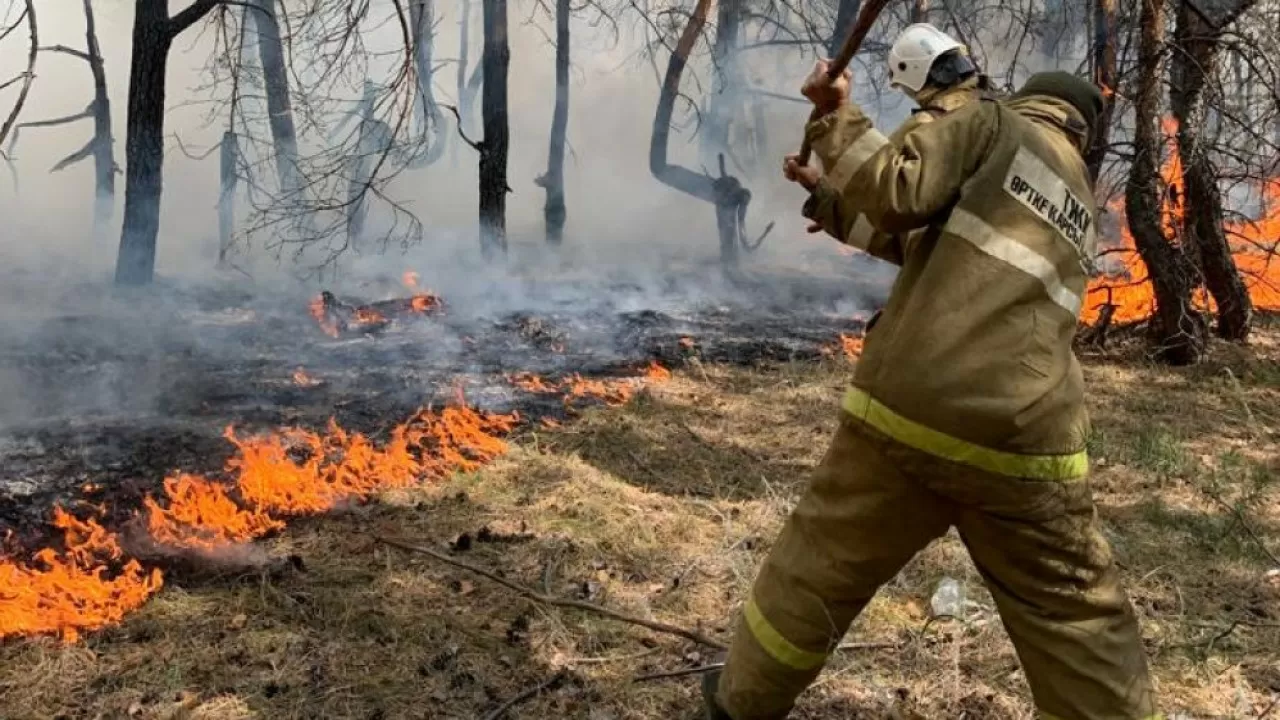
(828, 207)
(967, 410)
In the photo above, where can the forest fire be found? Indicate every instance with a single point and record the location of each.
(850, 346)
(92, 582)
(337, 318)
(302, 379)
(1254, 243)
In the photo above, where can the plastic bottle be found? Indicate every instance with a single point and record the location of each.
(948, 599)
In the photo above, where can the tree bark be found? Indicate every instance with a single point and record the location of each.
(554, 210)
(846, 14)
(1177, 329)
(919, 11)
(1104, 76)
(493, 150)
(144, 143)
(430, 118)
(284, 134)
(1203, 225)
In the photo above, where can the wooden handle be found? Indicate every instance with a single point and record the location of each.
(871, 10)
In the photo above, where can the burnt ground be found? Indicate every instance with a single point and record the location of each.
(664, 508)
(114, 391)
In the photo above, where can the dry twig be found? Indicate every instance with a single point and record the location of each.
(529, 694)
(535, 596)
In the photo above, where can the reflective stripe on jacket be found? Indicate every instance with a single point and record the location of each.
(974, 344)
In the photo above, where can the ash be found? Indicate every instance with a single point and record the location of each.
(106, 392)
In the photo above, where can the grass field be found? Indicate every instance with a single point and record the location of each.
(663, 508)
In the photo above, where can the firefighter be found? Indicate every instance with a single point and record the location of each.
(967, 410)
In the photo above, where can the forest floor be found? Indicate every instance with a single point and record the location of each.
(663, 508)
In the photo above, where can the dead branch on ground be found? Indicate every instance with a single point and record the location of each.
(538, 597)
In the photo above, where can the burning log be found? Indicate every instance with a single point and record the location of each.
(337, 318)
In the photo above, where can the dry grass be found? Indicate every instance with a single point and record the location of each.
(664, 508)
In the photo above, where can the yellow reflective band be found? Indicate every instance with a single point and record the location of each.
(966, 225)
(909, 432)
(857, 155)
(779, 647)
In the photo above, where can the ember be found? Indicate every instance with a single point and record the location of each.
(302, 379)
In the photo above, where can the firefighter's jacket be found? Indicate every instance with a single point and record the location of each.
(827, 207)
(972, 357)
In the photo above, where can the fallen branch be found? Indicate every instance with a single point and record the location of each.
(535, 596)
(529, 694)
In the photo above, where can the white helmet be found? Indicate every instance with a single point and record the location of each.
(913, 53)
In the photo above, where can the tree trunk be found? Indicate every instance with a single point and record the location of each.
(1104, 76)
(919, 11)
(493, 150)
(725, 192)
(430, 119)
(29, 76)
(1203, 225)
(464, 56)
(846, 14)
(726, 96)
(104, 162)
(554, 210)
(1178, 331)
(228, 179)
(144, 144)
(275, 76)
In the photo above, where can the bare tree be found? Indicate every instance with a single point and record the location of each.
(1197, 43)
(1177, 329)
(102, 145)
(430, 118)
(493, 149)
(554, 210)
(153, 34)
(725, 192)
(26, 77)
(279, 104)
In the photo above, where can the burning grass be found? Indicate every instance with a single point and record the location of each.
(663, 508)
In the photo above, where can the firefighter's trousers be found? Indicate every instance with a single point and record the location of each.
(870, 506)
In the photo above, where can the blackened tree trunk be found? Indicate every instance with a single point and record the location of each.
(428, 113)
(1177, 329)
(846, 14)
(1194, 62)
(144, 143)
(27, 77)
(554, 210)
(228, 179)
(153, 34)
(275, 74)
(493, 149)
(1104, 76)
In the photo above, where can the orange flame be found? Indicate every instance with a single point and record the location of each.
(294, 472)
(656, 373)
(531, 383)
(1254, 243)
(613, 393)
(850, 346)
(424, 302)
(369, 316)
(410, 279)
(302, 379)
(72, 590)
